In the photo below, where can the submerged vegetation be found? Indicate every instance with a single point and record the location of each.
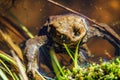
(90, 71)
(13, 67)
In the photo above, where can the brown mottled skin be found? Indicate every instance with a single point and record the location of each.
(59, 29)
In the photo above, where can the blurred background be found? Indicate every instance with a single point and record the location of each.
(34, 13)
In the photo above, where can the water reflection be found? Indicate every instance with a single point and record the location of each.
(33, 14)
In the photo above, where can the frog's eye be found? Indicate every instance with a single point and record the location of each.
(76, 31)
(64, 38)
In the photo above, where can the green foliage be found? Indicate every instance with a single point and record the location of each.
(7, 71)
(92, 71)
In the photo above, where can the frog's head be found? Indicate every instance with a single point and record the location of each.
(67, 29)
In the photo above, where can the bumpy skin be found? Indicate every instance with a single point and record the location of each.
(68, 29)
(32, 50)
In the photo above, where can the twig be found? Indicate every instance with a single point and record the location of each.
(10, 27)
(23, 27)
(19, 63)
(107, 28)
(11, 44)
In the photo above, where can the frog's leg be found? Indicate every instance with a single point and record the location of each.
(32, 50)
(94, 31)
(32, 53)
(110, 38)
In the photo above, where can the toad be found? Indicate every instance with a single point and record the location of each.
(59, 29)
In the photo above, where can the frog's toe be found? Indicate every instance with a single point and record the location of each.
(29, 68)
(32, 69)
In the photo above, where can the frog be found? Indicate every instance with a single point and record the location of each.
(66, 29)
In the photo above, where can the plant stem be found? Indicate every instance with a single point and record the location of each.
(68, 51)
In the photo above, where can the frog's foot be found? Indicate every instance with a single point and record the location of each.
(32, 68)
(87, 50)
(85, 54)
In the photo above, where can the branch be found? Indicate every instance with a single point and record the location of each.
(107, 28)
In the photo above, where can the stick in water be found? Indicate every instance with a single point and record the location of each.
(107, 28)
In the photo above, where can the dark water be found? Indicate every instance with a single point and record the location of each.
(33, 14)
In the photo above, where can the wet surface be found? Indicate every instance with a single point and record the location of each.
(33, 14)
(101, 48)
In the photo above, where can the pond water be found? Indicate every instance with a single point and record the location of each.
(33, 14)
